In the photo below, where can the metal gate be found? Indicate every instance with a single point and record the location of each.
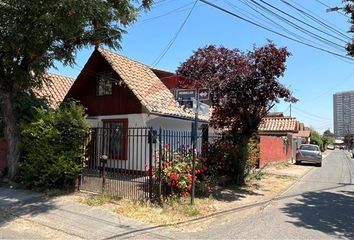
(122, 161)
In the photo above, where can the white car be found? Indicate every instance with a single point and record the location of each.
(310, 153)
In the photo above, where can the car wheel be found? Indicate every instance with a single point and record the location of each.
(297, 162)
(319, 164)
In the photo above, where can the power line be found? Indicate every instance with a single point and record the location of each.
(332, 88)
(177, 10)
(278, 25)
(315, 18)
(313, 115)
(307, 32)
(169, 45)
(327, 6)
(272, 31)
(295, 18)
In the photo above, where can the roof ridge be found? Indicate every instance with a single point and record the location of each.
(51, 73)
(120, 55)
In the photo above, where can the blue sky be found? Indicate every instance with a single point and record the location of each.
(312, 75)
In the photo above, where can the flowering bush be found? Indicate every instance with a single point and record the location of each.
(221, 158)
(176, 172)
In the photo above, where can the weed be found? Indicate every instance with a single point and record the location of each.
(99, 200)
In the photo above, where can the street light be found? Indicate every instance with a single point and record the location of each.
(333, 9)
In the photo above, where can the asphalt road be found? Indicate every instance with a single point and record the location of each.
(319, 206)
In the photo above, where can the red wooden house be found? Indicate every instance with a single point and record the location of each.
(120, 93)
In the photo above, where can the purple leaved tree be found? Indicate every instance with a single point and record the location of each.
(244, 86)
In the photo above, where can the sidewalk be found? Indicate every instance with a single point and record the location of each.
(28, 215)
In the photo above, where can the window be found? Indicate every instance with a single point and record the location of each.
(115, 139)
(104, 84)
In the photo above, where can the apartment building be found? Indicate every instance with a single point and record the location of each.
(343, 113)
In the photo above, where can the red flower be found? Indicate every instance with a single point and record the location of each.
(174, 177)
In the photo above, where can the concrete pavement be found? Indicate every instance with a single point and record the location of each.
(28, 215)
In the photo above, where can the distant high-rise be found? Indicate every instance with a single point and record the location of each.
(343, 113)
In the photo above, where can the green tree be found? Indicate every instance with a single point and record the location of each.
(327, 138)
(33, 35)
(316, 138)
(52, 145)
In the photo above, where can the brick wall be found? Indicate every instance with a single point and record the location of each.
(3, 161)
(273, 149)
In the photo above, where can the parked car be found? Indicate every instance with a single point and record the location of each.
(330, 147)
(310, 153)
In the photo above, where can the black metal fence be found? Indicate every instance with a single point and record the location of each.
(122, 162)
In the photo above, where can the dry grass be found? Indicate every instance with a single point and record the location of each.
(170, 213)
(282, 165)
(97, 200)
(258, 188)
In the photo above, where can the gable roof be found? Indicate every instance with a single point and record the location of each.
(146, 86)
(54, 88)
(279, 124)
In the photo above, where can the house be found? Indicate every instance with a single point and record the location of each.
(280, 136)
(123, 97)
(114, 87)
(54, 88)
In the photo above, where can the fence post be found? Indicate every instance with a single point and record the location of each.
(103, 161)
(150, 141)
(160, 164)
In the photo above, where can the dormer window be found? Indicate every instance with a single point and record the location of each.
(104, 83)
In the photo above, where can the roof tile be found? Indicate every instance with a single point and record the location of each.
(54, 88)
(148, 88)
(279, 124)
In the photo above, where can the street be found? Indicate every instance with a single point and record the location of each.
(320, 206)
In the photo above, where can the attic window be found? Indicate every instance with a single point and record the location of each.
(104, 83)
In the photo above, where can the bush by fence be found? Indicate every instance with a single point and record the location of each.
(53, 149)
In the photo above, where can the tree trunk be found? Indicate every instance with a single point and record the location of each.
(11, 132)
(242, 159)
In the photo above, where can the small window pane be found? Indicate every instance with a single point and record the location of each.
(104, 84)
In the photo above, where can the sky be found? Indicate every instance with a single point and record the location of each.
(312, 75)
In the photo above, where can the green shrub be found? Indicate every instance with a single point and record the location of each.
(53, 149)
(221, 158)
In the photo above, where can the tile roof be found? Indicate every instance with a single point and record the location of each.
(279, 124)
(55, 88)
(147, 87)
(303, 133)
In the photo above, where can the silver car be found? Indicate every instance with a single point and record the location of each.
(310, 153)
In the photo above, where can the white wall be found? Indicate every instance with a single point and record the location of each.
(138, 148)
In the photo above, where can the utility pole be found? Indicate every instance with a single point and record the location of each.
(195, 133)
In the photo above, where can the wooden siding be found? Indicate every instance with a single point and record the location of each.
(122, 100)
